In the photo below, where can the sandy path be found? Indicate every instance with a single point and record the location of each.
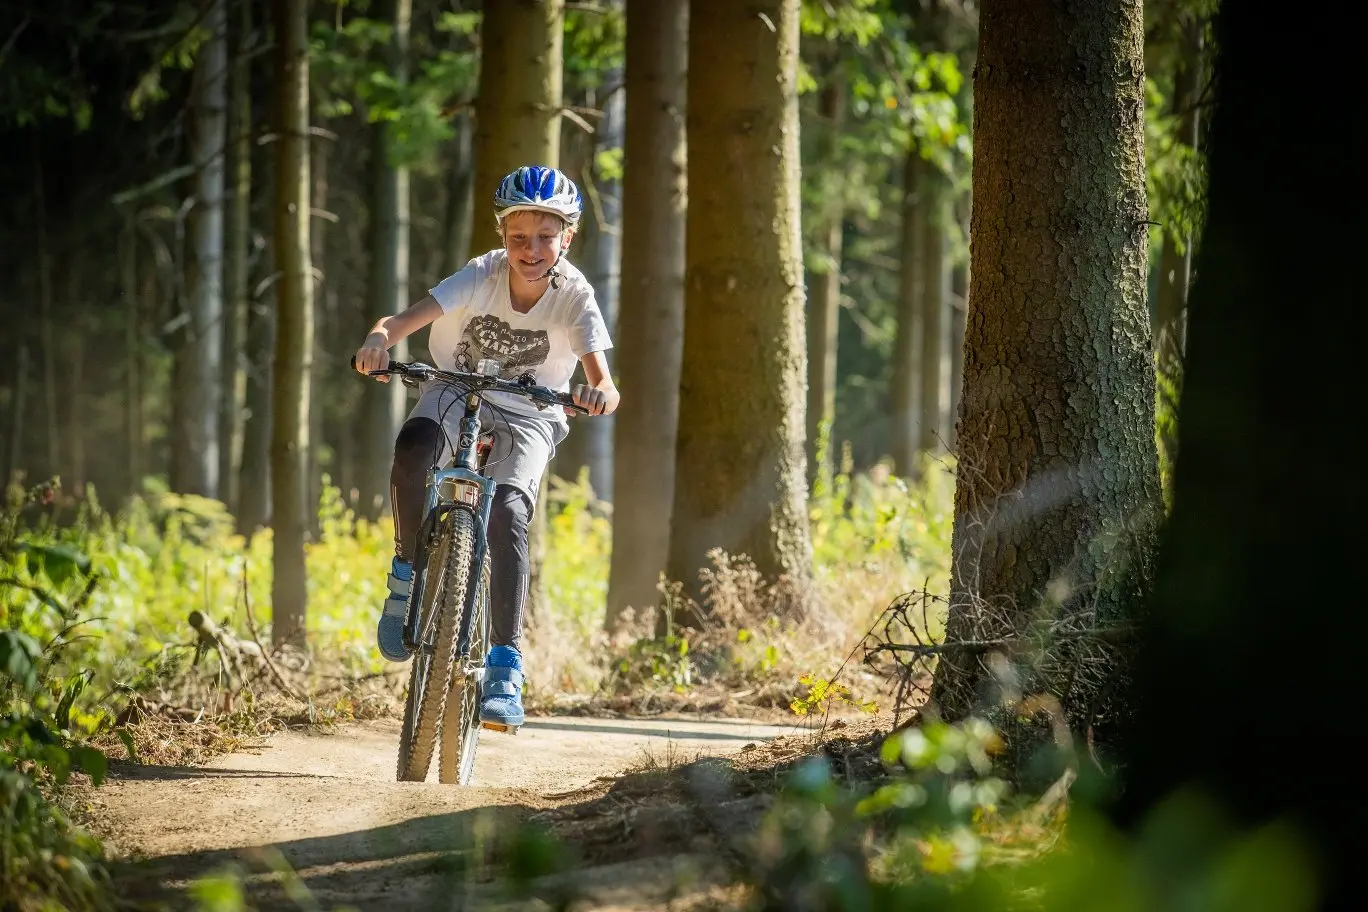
(329, 803)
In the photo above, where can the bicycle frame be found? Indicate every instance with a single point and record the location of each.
(461, 486)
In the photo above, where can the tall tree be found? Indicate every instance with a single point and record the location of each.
(651, 318)
(931, 385)
(198, 384)
(237, 241)
(904, 401)
(604, 274)
(517, 113)
(824, 304)
(1242, 508)
(460, 207)
(1057, 492)
(740, 468)
(294, 326)
(389, 271)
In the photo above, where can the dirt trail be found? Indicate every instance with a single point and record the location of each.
(329, 803)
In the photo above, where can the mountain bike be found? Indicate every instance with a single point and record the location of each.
(447, 628)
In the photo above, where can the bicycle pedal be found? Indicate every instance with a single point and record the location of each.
(500, 727)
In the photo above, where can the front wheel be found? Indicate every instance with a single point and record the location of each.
(461, 717)
(443, 592)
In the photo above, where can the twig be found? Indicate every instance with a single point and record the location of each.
(265, 655)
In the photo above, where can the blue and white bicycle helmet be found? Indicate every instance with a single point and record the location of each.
(538, 189)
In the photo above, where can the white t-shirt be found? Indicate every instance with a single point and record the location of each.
(478, 321)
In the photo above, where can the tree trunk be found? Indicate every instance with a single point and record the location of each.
(254, 491)
(321, 369)
(741, 480)
(517, 122)
(383, 403)
(128, 282)
(45, 318)
(237, 238)
(517, 113)
(198, 375)
(1245, 511)
(824, 308)
(605, 276)
(651, 318)
(1175, 260)
(1057, 493)
(904, 398)
(959, 308)
(460, 195)
(75, 383)
(21, 372)
(294, 330)
(931, 385)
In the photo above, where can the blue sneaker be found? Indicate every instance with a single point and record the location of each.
(389, 633)
(501, 693)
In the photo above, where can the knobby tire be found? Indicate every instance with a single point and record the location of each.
(461, 716)
(447, 572)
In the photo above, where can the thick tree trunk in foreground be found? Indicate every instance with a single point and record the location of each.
(741, 480)
(1057, 494)
(651, 318)
(198, 384)
(824, 307)
(294, 328)
(383, 404)
(904, 400)
(1245, 511)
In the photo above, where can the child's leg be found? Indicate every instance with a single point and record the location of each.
(418, 440)
(523, 446)
(510, 565)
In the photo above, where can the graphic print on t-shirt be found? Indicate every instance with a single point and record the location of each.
(518, 351)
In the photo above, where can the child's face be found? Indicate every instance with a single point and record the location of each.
(534, 240)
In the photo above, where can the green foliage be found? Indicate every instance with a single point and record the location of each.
(823, 693)
(595, 45)
(45, 861)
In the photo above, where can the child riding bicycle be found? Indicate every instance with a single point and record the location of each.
(528, 309)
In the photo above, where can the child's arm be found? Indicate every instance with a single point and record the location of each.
(390, 331)
(600, 395)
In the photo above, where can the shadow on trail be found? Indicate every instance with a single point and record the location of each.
(422, 863)
(153, 772)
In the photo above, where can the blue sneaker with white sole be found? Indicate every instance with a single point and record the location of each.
(501, 692)
(389, 633)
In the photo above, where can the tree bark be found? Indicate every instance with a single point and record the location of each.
(517, 113)
(383, 403)
(237, 239)
(651, 318)
(824, 307)
(1243, 509)
(1057, 494)
(21, 372)
(959, 308)
(45, 318)
(198, 374)
(460, 195)
(75, 382)
(321, 369)
(904, 399)
(931, 384)
(605, 276)
(294, 330)
(741, 480)
(1175, 260)
(128, 284)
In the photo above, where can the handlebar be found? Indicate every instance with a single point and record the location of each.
(416, 371)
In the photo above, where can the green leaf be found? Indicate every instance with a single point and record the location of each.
(59, 562)
(129, 744)
(92, 762)
(19, 658)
